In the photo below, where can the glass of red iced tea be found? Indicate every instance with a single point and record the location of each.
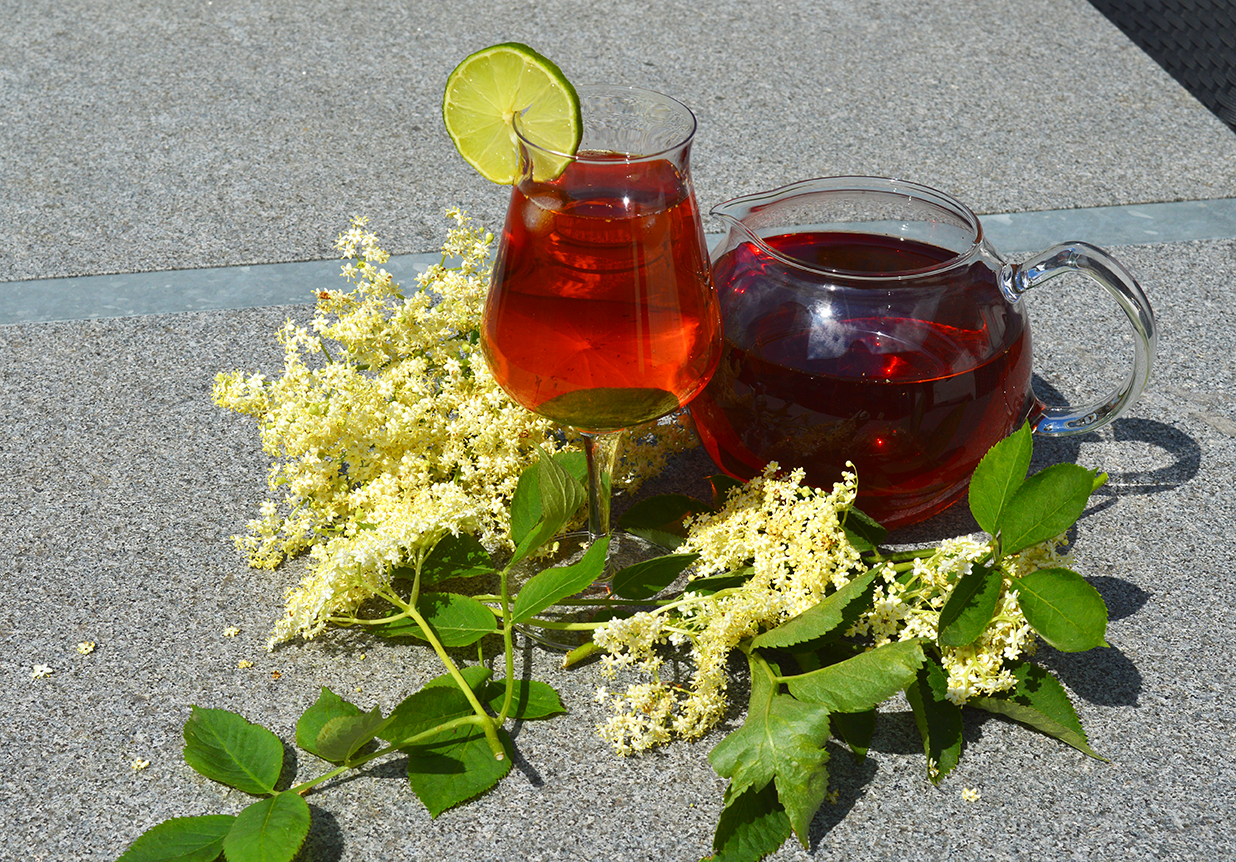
(870, 320)
(601, 313)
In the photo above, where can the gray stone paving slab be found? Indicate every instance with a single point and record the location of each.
(150, 136)
(123, 484)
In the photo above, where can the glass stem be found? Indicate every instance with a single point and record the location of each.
(601, 451)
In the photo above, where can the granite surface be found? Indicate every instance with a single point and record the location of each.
(141, 135)
(158, 136)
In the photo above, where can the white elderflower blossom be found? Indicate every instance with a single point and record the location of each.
(792, 536)
(388, 431)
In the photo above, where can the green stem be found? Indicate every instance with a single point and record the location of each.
(355, 621)
(355, 763)
(485, 720)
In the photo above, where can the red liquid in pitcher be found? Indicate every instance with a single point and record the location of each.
(602, 312)
(913, 403)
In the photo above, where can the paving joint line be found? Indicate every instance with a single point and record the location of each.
(276, 284)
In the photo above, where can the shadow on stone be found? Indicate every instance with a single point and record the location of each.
(324, 843)
(1103, 676)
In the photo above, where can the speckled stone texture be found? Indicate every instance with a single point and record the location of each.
(158, 136)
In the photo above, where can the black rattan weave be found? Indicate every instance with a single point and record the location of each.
(1194, 40)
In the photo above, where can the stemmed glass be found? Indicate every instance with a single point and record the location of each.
(601, 313)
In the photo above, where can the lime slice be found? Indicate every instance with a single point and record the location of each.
(486, 92)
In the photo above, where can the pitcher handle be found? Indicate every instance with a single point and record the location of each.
(1100, 267)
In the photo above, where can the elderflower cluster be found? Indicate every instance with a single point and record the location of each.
(792, 539)
(791, 535)
(388, 431)
(907, 605)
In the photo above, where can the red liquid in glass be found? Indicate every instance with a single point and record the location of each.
(602, 313)
(913, 402)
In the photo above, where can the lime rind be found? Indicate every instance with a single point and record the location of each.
(489, 89)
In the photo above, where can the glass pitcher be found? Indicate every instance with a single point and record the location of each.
(870, 320)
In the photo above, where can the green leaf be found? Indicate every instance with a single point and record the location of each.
(645, 579)
(782, 741)
(938, 718)
(545, 498)
(998, 476)
(864, 532)
(226, 748)
(721, 487)
(717, 583)
(549, 586)
(455, 766)
(1063, 608)
(658, 538)
(423, 711)
(855, 729)
(270, 830)
(476, 676)
(862, 682)
(970, 606)
(461, 556)
(827, 617)
(664, 513)
(343, 736)
(1040, 701)
(753, 824)
(531, 699)
(328, 706)
(1046, 505)
(181, 839)
(457, 620)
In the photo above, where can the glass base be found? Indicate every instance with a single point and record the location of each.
(625, 550)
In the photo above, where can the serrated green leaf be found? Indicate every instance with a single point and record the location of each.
(864, 532)
(862, 682)
(181, 839)
(270, 830)
(545, 498)
(1040, 701)
(551, 585)
(341, 737)
(1063, 608)
(455, 766)
(224, 747)
(663, 512)
(531, 699)
(475, 676)
(457, 620)
(855, 729)
(782, 741)
(327, 707)
(423, 711)
(938, 718)
(1045, 505)
(753, 824)
(645, 579)
(716, 583)
(525, 504)
(829, 616)
(657, 538)
(721, 487)
(461, 556)
(661, 519)
(970, 606)
(998, 476)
